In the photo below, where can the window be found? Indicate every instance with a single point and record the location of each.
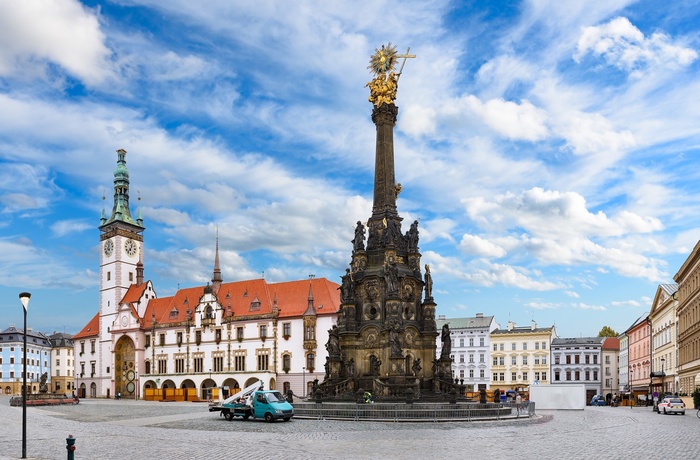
(197, 337)
(577, 359)
(512, 346)
(588, 375)
(239, 333)
(502, 376)
(286, 362)
(595, 359)
(481, 341)
(524, 376)
(595, 375)
(482, 358)
(162, 340)
(495, 361)
(568, 375)
(263, 332)
(92, 346)
(568, 359)
(461, 342)
(179, 366)
(513, 376)
(524, 345)
(218, 363)
(162, 366)
(514, 360)
(131, 276)
(524, 360)
(537, 361)
(577, 375)
(537, 347)
(287, 329)
(607, 359)
(310, 362)
(58, 361)
(147, 341)
(495, 347)
(198, 364)
(502, 346)
(461, 373)
(588, 359)
(502, 361)
(556, 359)
(537, 376)
(461, 357)
(544, 360)
(109, 276)
(482, 373)
(148, 367)
(239, 362)
(471, 341)
(179, 340)
(310, 333)
(544, 376)
(495, 377)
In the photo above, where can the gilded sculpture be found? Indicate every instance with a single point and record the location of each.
(385, 84)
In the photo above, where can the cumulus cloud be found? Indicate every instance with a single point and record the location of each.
(624, 46)
(537, 305)
(515, 121)
(625, 303)
(64, 32)
(557, 228)
(583, 306)
(477, 246)
(64, 227)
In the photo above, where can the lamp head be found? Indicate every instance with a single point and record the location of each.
(24, 298)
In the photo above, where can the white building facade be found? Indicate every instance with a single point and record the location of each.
(471, 347)
(578, 361)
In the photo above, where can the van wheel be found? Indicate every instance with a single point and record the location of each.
(228, 415)
(245, 417)
(268, 417)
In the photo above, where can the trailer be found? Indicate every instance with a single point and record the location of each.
(256, 402)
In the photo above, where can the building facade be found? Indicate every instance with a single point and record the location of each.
(662, 318)
(578, 361)
(520, 356)
(639, 352)
(623, 365)
(688, 311)
(62, 363)
(203, 339)
(610, 376)
(12, 360)
(471, 349)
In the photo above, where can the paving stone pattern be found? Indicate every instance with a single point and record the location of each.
(108, 429)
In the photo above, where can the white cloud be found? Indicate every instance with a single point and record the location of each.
(64, 227)
(624, 46)
(477, 246)
(543, 305)
(521, 121)
(626, 303)
(61, 31)
(572, 294)
(583, 306)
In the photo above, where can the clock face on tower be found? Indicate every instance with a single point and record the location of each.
(109, 247)
(130, 248)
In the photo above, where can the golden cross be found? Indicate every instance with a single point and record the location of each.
(404, 56)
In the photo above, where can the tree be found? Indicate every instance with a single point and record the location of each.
(607, 331)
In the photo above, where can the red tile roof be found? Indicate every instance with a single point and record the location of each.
(292, 300)
(92, 329)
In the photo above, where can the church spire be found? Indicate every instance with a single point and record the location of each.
(216, 279)
(121, 211)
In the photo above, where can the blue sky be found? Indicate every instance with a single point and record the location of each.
(547, 148)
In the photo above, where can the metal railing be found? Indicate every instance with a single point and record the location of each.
(430, 412)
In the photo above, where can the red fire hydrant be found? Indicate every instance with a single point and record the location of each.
(70, 447)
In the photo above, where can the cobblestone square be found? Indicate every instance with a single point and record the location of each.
(107, 429)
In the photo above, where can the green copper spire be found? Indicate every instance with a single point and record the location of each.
(121, 211)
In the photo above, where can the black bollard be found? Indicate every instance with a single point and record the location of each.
(409, 395)
(70, 447)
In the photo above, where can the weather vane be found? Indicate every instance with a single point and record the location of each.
(385, 83)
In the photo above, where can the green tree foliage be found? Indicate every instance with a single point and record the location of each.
(607, 331)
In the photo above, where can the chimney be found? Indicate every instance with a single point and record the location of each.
(533, 325)
(479, 315)
(511, 325)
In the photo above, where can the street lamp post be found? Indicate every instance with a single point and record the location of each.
(24, 298)
(136, 376)
(303, 381)
(662, 376)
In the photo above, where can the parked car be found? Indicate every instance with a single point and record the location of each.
(671, 406)
(597, 400)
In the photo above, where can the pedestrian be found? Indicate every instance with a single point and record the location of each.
(518, 401)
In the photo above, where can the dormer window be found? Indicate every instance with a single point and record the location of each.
(209, 312)
(173, 313)
(255, 305)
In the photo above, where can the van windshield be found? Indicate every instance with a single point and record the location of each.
(275, 396)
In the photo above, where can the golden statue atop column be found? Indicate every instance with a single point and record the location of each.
(384, 85)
